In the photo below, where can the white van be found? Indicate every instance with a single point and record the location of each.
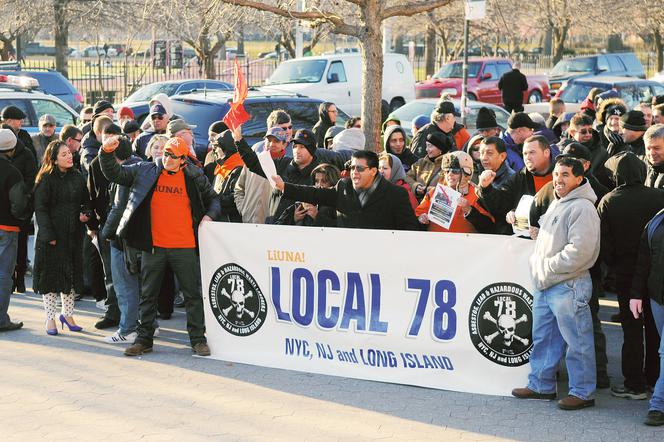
(338, 78)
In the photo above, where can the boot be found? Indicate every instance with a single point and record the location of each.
(19, 282)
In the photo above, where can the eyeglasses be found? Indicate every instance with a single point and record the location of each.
(358, 167)
(586, 131)
(171, 155)
(157, 117)
(78, 140)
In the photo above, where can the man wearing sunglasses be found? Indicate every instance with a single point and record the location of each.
(363, 201)
(168, 199)
(581, 131)
(159, 121)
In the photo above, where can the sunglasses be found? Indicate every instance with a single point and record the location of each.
(172, 156)
(585, 131)
(455, 171)
(157, 117)
(358, 167)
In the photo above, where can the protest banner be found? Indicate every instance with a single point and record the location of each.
(440, 310)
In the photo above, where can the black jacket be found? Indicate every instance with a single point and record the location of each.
(504, 199)
(89, 150)
(624, 212)
(135, 224)
(512, 85)
(99, 198)
(648, 281)
(388, 207)
(14, 195)
(229, 212)
(655, 176)
(26, 163)
(322, 125)
(327, 217)
(59, 200)
(118, 197)
(419, 144)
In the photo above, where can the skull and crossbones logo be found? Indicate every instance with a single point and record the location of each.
(238, 303)
(506, 325)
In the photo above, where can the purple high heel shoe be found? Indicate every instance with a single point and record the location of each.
(51, 331)
(74, 328)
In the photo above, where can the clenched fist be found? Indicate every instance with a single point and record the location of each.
(487, 177)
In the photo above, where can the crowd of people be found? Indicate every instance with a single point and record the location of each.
(117, 205)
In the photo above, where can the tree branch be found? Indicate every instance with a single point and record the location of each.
(409, 9)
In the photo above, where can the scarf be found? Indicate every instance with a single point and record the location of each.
(230, 163)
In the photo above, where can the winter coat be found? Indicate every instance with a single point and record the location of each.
(99, 197)
(419, 144)
(387, 208)
(14, 195)
(599, 156)
(59, 200)
(655, 176)
(327, 217)
(407, 157)
(502, 175)
(118, 196)
(26, 163)
(322, 125)
(89, 149)
(568, 241)
(40, 142)
(512, 85)
(135, 225)
(648, 281)
(624, 212)
(501, 200)
(141, 143)
(226, 190)
(514, 152)
(425, 172)
(252, 195)
(477, 221)
(637, 147)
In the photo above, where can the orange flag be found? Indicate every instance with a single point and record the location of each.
(236, 115)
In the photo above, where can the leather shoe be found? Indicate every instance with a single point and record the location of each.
(527, 393)
(655, 418)
(105, 323)
(201, 349)
(575, 403)
(137, 349)
(11, 326)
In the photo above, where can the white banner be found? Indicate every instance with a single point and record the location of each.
(440, 310)
(475, 9)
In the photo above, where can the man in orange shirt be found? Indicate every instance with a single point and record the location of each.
(168, 200)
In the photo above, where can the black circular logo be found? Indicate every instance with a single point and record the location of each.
(236, 300)
(501, 319)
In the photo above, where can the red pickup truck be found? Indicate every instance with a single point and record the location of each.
(483, 76)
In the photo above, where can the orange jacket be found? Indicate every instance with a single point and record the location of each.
(460, 223)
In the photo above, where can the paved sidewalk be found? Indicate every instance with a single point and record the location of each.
(74, 386)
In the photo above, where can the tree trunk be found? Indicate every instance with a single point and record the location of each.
(659, 47)
(240, 42)
(559, 38)
(61, 36)
(430, 51)
(7, 48)
(371, 47)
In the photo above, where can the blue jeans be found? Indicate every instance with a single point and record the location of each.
(8, 251)
(561, 316)
(127, 289)
(657, 400)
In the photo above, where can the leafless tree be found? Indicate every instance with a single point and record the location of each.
(18, 17)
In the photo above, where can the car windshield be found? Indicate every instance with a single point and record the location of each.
(147, 92)
(577, 92)
(305, 71)
(408, 112)
(455, 70)
(574, 65)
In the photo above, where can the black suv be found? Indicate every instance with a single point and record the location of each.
(619, 65)
(204, 109)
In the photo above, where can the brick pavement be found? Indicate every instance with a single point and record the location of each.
(73, 386)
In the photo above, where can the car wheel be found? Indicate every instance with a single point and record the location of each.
(396, 103)
(534, 97)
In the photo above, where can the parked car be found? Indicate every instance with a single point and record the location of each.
(36, 48)
(483, 77)
(424, 106)
(35, 104)
(619, 65)
(338, 78)
(50, 81)
(138, 101)
(202, 110)
(232, 54)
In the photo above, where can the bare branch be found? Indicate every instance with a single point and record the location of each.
(413, 8)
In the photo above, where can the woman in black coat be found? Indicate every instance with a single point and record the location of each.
(327, 117)
(62, 207)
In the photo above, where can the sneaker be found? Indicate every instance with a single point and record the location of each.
(156, 332)
(105, 323)
(527, 393)
(101, 305)
(179, 300)
(628, 393)
(575, 403)
(137, 349)
(655, 418)
(117, 338)
(201, 349)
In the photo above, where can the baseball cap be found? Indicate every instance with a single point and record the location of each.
(177, 147)
(576, 150)
(46, 119)
(278, 133)
(157, 109)
(7, 140)
(175, 126)
(521, 119)
(447, 107)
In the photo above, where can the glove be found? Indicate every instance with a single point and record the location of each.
(616, 143)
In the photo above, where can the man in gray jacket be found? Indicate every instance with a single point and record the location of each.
(567, 246)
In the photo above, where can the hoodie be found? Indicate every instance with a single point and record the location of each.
(624, 212)
(568, 241)
(322, 125)
(406, 157)
(398, 177)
